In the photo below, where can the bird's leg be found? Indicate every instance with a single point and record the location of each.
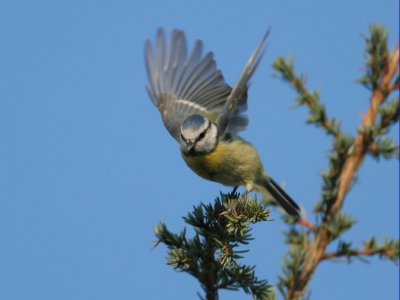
(249, 188)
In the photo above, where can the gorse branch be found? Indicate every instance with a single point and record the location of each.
(212, 255)
(307, 245)
(388, 249)
(318, 114)
(381, 71)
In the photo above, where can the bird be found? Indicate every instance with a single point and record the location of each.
(204, 114)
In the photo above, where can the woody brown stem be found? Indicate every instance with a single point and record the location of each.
(316, 251)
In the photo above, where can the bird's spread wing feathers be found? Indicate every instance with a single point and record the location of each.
(181, 85)
(239, 91)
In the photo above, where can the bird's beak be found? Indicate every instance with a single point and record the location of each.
(190, 144)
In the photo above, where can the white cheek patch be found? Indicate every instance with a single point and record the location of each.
(209, 142)
(212, 134)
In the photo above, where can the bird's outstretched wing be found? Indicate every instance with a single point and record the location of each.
(228, 117)
(181, 85)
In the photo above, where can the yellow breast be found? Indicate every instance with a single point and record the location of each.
(231, 163)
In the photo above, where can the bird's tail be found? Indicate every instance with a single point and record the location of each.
(281, 196)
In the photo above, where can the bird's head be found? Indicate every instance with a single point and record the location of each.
(199, 136)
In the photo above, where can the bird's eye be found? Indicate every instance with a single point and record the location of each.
(201, 136)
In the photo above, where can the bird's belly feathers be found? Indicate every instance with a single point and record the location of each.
(231, 163)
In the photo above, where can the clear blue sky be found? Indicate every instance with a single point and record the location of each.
(86, 166)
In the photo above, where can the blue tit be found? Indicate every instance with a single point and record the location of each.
(204, 114)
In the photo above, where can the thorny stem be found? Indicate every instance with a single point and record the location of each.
(361, 144)
(365, 251)
(316, 251)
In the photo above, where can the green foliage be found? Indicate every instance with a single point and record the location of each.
(298, 241)
(388, 114)
(318, 114)
(341, 150)
(384, 146)
(338, 224)
(212, 255)
(376, 62)
(376, 56)
(388, 249)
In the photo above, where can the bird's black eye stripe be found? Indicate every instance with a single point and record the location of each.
(203, 134)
